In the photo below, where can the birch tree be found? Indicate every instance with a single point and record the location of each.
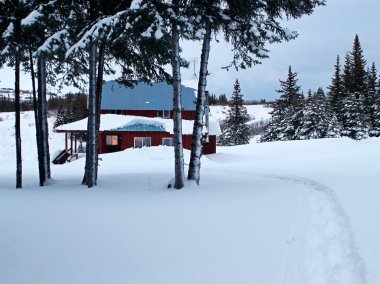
(12, 53)
(38, 25)
(248, 26)
(120, 33)
(172, 17)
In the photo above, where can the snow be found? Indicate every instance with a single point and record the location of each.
(31, 19)
(257, 113)
(295, 212)
(114, 121)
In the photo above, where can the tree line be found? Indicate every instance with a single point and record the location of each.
(70, 108)
(351, 107)
(77, 42)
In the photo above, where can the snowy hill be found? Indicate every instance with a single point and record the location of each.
(258, 113)
(295, 212)
(25, 95)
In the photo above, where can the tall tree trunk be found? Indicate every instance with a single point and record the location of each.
(99, 86)
(17, 121)
(37, 123)
(196, 147)
(42, 115)
(90, 168)
(179, 174)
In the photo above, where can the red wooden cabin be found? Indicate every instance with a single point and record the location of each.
(139, 117)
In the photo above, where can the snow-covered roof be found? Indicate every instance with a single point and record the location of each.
(158, 96)
(117, 122)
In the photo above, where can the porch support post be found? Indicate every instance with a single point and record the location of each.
(71, 143)
(66, 142)
(75, 142)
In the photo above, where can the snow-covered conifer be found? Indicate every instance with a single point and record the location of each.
(336, 90)
(287, 111)
(310, 124)
(359, 74)
(236, 131)
(319, 121)
(355, 125)
(61, 117)
(375, 117)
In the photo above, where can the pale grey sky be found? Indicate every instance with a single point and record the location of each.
(322, 35)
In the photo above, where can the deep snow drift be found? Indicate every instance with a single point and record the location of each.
(283, 212)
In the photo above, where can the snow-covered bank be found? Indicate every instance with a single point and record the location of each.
(294, 212)
(258, 113)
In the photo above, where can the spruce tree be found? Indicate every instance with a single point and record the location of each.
(336, 90)
(236, 130)
(316, 118)
(309, 126)
(359, 74)
(375, 110)
(61, 118)
(372, 91)
(287, 111)
(347, 77)
(357, 100)
(355, 124)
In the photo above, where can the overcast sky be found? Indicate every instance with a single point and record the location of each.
(322, 35)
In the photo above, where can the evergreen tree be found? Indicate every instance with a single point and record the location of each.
(371, 93)
(355, 125)
(347, 77)
(359, 74)
(375, 110)
(334, 128)
(336, 90)
(357, 99)
(212, 100)
(236, 131)
(61, 118)
(309, 125)
(322, 107)
(318, 119)
(287, 111)
(222, 100)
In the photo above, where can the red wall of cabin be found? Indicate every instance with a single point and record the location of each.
(126, 140)
(211, 146)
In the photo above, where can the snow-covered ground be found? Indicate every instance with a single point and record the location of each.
(258, 113)
(283, 212)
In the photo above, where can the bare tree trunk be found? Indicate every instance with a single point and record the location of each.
(99, 86)
(41, 170)
(90, 168)
(18, 122)
(42, 115)
(179, 174)
(196, 147)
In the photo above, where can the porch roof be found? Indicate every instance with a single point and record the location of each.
(116, 122)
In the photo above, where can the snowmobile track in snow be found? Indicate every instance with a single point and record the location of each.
(321, 247)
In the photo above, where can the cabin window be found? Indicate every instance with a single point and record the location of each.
(112, 140)
(168, 141)
(163, 113)
(116, 111)
(142, 142)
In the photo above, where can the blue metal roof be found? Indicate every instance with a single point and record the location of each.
(158, 96)
(141, 128)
